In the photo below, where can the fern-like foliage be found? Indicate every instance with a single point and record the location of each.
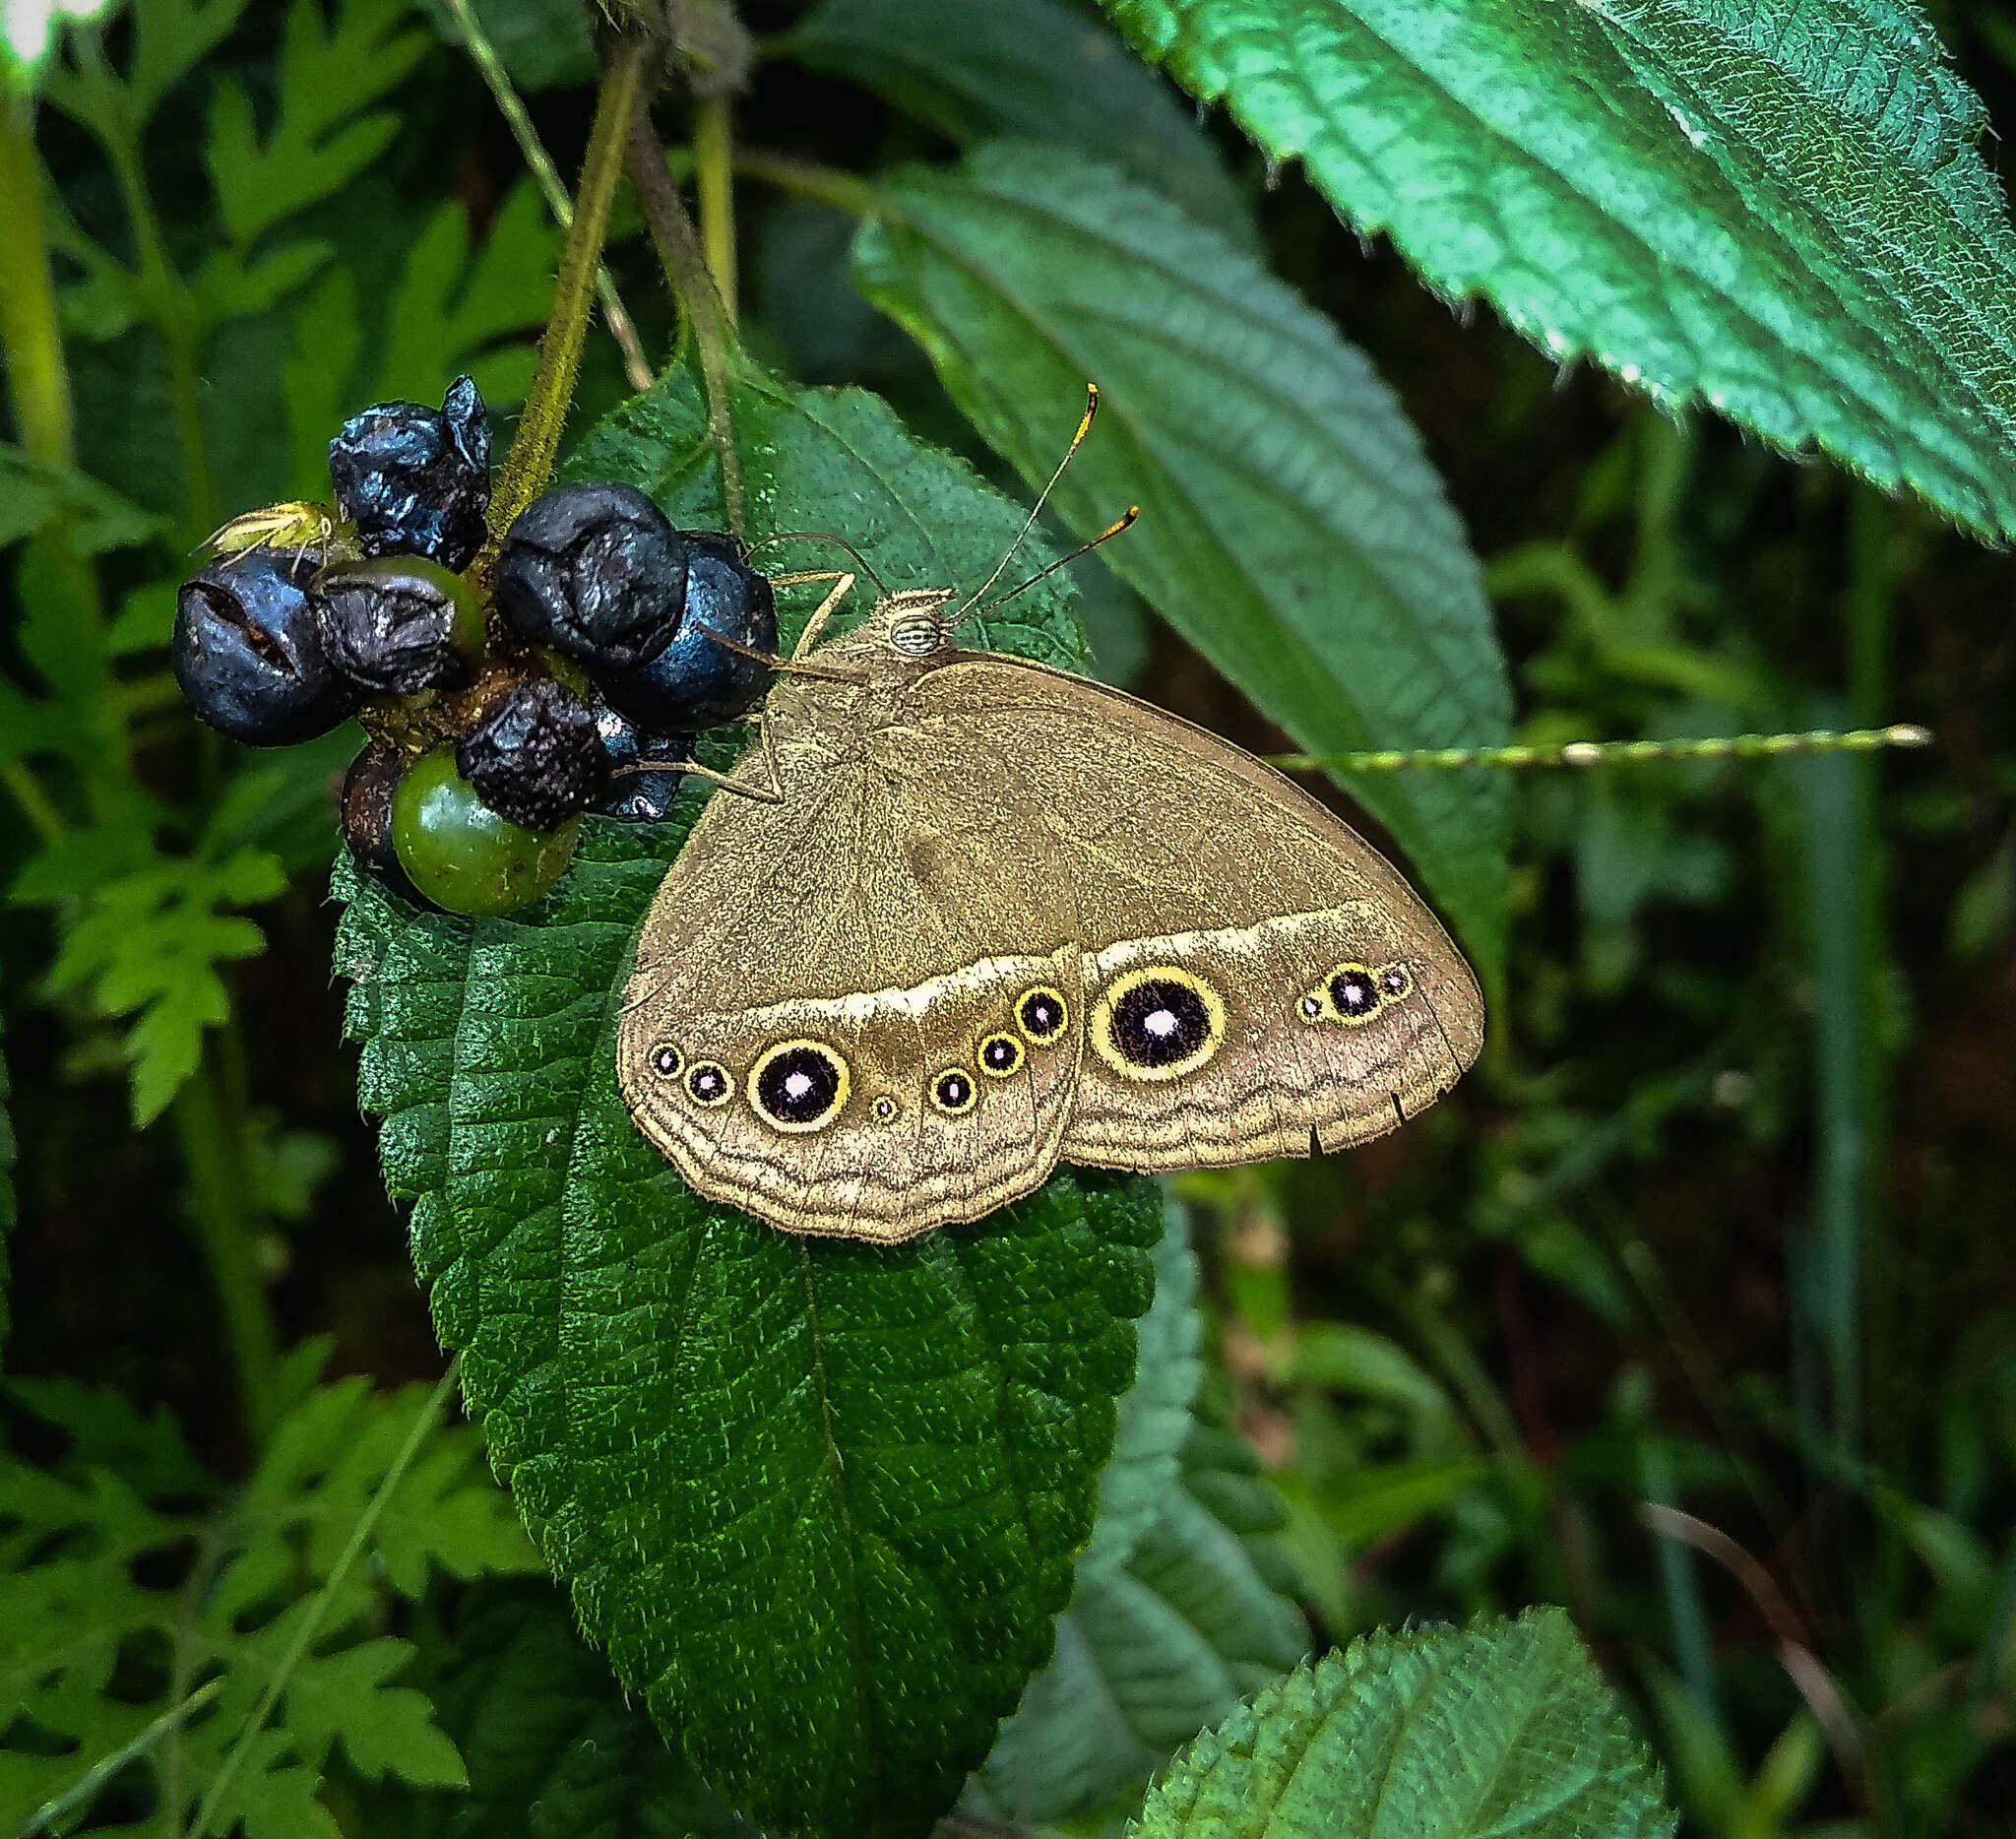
(145, 1610)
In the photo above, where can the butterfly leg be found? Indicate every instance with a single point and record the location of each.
(843, 586)
(772, 793)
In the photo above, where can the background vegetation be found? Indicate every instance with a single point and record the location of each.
(1692, 1310)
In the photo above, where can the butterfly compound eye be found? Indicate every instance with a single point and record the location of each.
(798, 1086)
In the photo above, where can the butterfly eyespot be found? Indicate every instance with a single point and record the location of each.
(1354, 994)
(1042, 1014)
(1158, 1022)
(1001, 1055)
(708, 1083)
(884, 1109)
(1312, 1007)
(954, 1093)
(798, 1085)
(667, 1061)
(1395, 982)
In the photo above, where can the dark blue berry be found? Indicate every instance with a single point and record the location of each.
(593, 570)
(535, 758)
(640, 791)
(399, 624)
(367, 789)
(694, 680)
(416, 480)
(248, 653)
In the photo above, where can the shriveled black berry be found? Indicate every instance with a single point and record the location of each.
(594, 570)
(416, 480)
(367, 789)
(693, 681)
(399, 624)
(248, 653)
(639, 791)
(535, 758)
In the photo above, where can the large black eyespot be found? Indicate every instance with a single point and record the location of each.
(798, 1085)
(1353, 992)
(708, 1083)
(1001, 1055)
(1395, 982)
(1158, 1023)
(954, 1093)
(667, 1060)
(1042, 1014)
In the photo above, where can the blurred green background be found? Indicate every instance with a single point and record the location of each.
(1694, 1308)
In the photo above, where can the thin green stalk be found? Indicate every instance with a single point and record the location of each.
(310, 1625)
(38, 383)
(715, 187)
(1580, 753)
(545, 417)
(211, 1153)
(687, 271)
(828, 184)
(34, 800)
(615, 315)
(87, 1787)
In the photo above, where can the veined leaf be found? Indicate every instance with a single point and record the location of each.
(1292, 528)
(1777, 210)
(1151, 1653)
(1037, 70)
(1504, 1727)
(819, 1500)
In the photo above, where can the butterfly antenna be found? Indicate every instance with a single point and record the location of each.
(980, 594)
(1111, 531)
(821, 535)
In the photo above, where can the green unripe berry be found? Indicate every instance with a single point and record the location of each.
(462, 855)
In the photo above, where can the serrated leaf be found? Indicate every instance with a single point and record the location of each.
(1149, 1654)
(385, 1730)
(1292, 528)
(818, 1500)
(1778, 212)
(331, 73)
(1154, 1415)
(33, 492)
(1037, 70)
(1503, 1727)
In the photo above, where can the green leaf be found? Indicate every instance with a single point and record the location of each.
(9, 1208)
(1149, 1654)
(1155, 1416)
(819, 1500)
(101, 1609)
(1504, 1727)
(1036, 70)
(323, 133)
(28, 33)
(33, 493)
(1778, 213)
(1292, 528)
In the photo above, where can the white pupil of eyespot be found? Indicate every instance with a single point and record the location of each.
(1161, 1023)
(796, 1085)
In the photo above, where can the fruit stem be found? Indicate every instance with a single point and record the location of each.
(204, 1130)
(679, 254)
(490, 67)
(713, 177)
(530, 467)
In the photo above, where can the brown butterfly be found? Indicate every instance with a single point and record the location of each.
(973, 916)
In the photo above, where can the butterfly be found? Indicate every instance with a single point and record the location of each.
(972, 915)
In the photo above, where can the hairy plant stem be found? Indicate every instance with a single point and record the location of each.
(208, 1129)
(530, 467)
(715, 188)
(615, 315)
(706, 314)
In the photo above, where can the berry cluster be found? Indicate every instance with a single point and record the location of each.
(574, 684)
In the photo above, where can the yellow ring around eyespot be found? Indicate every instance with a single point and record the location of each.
(1057, 995)
(1117, 991)
(693, 1072)
(826, 1117)
(1331, 1013)
(972, 1091)
(1002, 1072)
